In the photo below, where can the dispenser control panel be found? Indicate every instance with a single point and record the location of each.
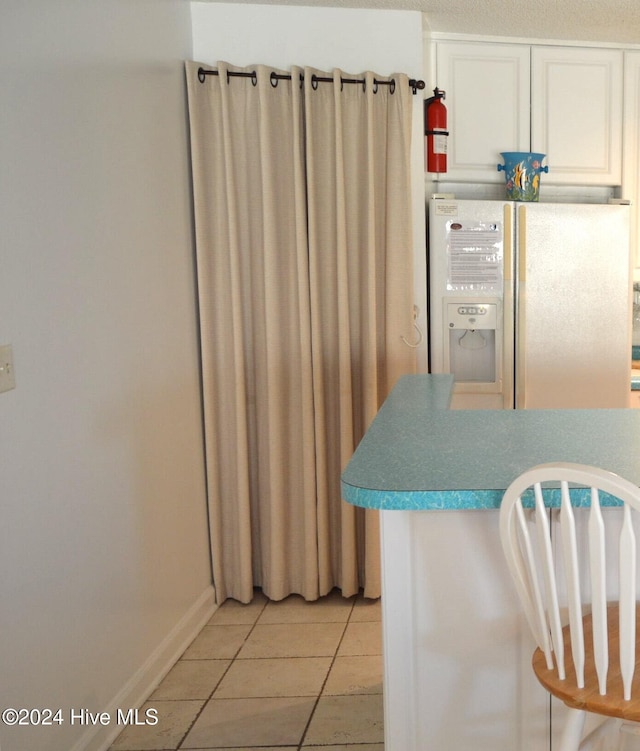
(472, 315)
(473, 310)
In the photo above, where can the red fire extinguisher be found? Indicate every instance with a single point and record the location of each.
(435, 131)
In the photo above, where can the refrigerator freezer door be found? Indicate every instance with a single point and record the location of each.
(458, 277)
(573, 325)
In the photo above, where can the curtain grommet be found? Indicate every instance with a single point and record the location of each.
(254, 78)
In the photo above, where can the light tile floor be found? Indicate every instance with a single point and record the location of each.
(273, 675)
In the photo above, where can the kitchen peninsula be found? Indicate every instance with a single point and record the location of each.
(456, 650)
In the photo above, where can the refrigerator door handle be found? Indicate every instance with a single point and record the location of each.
(521, 367)
(507, 310)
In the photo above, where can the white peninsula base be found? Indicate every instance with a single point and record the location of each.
(457, 650)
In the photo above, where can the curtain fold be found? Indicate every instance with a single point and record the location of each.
(303, 245)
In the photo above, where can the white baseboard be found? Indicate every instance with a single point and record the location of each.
(145, 680)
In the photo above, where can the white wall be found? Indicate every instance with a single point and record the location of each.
(352, 39)
(104, 564)
(385, 41)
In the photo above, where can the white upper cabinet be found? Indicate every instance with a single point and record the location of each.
(576, 113)
(565, 102)
(487, 102)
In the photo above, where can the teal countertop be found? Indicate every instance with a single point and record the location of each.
(418, 454)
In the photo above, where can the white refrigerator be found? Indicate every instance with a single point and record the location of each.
(530, 303)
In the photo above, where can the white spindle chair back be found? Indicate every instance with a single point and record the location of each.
(529, 551)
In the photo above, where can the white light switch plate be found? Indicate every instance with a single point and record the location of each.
(7, 376)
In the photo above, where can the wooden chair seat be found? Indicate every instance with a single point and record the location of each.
(588, 698)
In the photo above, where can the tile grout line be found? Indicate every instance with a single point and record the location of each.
(215, 688)
(326, 678)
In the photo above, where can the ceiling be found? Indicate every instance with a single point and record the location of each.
(610, 21)
(582, 20)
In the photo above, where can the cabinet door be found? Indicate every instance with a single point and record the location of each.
(487, 102)
(576, 114)
(631, 164)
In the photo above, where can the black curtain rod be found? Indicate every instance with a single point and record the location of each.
(415, 85)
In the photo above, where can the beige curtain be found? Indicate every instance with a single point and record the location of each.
(303, 236)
